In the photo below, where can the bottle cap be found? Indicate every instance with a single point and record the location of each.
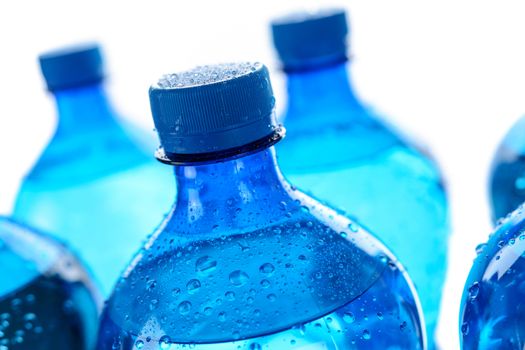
(213, 112)
(306, 40)
(72, 67)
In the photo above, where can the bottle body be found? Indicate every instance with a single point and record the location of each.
(340, 152)
(48, 300)
(246, 261)
(507, 185)
(95, 188)
(491, 314)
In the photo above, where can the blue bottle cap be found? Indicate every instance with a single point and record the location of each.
(213, 112)
(72, 67)
(306, 40)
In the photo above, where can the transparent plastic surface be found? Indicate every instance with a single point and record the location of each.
(507, 183)
(94, 186)
(244, 261)
(492, 308)
(341, 153)
(46, 298)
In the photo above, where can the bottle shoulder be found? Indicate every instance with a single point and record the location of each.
(350, 142)
(300, 268)
(87, 156)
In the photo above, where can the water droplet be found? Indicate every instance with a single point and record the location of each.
(193, 286)
(164, 342)
(139, 344)
(267, 268)
(222, 316)
(348, 317)
(520, 183)
(205, 264)
(299, 329)
(271, 297)
(153, 304)
(239, 278)
(184, 307)
(265, 283)
(354, 227)
(29, 316)
(380, 315)
(151, 284)
(255, 346)
(479, 248)
(464, 328)
(473, 291)
(366, 334)
(229, 296)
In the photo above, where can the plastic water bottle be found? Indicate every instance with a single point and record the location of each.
(244, 260)
(46, 298)
(339, 151)
(492, 315)
(507, 183)
(94, 186)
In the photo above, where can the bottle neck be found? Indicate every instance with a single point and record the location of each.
(88, 143)
(83, 109)
(317, 91)
(230, 192)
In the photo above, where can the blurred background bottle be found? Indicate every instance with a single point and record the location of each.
(341, 152)
(492, 307)
(507, 181)
(95, 185)
(47, 300)
(244, 260)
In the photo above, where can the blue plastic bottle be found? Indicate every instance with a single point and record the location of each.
(339, 151)
(507, 183)
(94, 186)
(244, 260)
(492, 309)
(46, 298)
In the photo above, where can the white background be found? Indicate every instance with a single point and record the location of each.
(449, 72)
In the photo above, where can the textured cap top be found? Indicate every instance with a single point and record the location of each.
(72, 67)
(305, 40)
(213, 108)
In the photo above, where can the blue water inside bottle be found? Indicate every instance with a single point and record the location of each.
(95, 186)
(339, 151)
(492, 315)
(507, 183)
(47, 300)
(244, 260)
